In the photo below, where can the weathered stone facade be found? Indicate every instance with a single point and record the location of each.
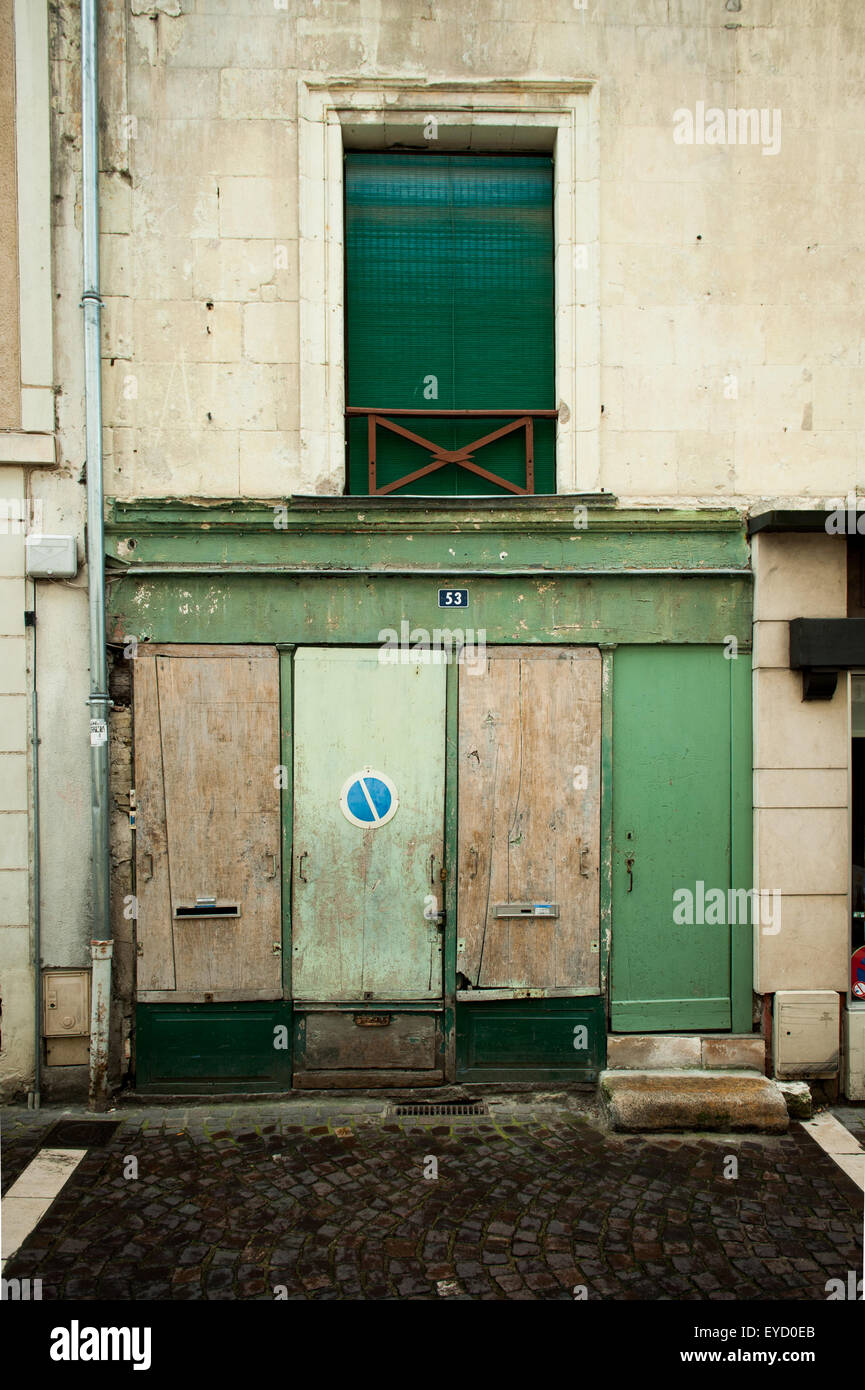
(709, 313)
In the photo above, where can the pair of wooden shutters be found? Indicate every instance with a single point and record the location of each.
(208, 839)
(449, 307)
(528, 824)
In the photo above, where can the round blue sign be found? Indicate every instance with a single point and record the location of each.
(368, 799)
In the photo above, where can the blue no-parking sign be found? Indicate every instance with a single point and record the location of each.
(368, 799)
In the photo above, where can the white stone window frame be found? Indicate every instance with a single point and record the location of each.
(33, 443)
(522, 117)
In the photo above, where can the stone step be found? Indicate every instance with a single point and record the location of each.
(717, 1051)
(678, 1099)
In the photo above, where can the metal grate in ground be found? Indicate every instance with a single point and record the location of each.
(432, 1108)
(79, 1134)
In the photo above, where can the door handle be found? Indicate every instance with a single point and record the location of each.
(584, 873)
(473, 855)
(300, 872)
(629, 865)
(432, 874)
(272, 857)
(149, 857)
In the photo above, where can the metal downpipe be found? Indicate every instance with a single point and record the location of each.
(101, 944)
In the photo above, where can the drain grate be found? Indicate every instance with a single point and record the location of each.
(80, 1134)
(478, 1107)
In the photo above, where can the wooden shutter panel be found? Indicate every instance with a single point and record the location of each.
(206, 749)
(529, 820)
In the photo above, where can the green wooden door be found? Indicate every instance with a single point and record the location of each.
(449, 306)
(369, 748)
(675, 780)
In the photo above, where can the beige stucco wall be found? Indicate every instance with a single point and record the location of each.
(10, 377)
(801, 757)
(16, 990)
(31, 499)
(730, 299)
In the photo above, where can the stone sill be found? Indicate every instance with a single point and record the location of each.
(19, 447)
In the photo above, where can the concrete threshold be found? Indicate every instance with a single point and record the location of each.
(677, 1099)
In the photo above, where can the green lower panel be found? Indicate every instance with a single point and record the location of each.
(531, 1040)
(668, 1015)
(186, 1047)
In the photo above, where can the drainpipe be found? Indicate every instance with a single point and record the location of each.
(101, 944)
(34, 1099)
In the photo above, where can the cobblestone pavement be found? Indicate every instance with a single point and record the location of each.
(331, 1201)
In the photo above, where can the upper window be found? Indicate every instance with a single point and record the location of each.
(450, 324)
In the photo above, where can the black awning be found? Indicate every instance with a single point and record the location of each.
(790, 521)
(836, 643)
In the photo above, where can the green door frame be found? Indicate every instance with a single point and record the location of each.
(341, 569)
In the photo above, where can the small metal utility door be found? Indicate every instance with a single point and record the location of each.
(208, 828)
(529, 820)
(368, 835)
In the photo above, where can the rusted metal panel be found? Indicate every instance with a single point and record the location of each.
(529, 797)
(360, 892)
(366, 1041)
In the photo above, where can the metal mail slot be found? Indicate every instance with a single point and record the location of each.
(526, 910)
(208, 910)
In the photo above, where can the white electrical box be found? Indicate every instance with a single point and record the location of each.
(806, 1032)
(854, 1068)
(51, 557)
(66, 1017)
(66, 1003)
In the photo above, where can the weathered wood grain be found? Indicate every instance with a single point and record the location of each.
(335, 1041)
(358, 925)
(526, 831)
(211, 726)
(156, 946)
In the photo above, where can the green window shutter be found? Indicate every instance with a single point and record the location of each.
(450, 306)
